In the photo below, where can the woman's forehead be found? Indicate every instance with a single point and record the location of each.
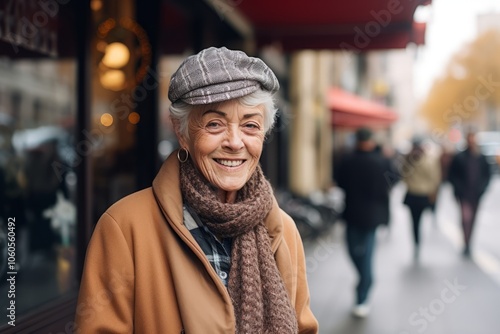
(227, 109)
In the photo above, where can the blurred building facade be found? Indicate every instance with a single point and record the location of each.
(379, 86)
(490, 120)
(84, 111)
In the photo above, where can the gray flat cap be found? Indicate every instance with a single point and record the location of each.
(219, 74)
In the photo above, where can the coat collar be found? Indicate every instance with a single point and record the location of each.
(166, 188)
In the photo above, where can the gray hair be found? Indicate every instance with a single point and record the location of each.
(180, 111)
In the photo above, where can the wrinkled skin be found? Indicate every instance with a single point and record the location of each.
(225, 143)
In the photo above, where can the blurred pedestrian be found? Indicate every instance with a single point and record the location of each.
(363, 176)
(469, 175)
(422, 176)
(445, 156)
(206, 249)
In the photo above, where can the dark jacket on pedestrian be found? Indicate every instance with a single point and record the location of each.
(364, 176)
(469, 174)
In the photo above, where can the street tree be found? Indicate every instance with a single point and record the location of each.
(468, 87)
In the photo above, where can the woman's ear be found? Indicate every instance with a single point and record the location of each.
(177, 129)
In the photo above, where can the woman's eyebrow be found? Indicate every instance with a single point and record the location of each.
(252, 115)
(223, 114)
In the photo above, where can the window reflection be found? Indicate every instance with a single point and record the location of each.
(37, 178)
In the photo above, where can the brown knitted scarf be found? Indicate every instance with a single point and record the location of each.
(260, 300)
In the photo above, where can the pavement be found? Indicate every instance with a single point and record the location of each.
(440, 293)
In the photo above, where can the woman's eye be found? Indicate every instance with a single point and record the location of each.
(252, 126)
(213, 125)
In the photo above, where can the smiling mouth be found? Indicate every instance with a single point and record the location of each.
(229, 163)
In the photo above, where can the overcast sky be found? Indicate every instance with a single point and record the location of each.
(450, 26)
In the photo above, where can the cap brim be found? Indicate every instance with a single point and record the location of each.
(219, 93)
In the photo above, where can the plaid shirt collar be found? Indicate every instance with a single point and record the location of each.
(218, 252)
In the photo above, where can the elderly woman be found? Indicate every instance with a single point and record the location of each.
(206, 249)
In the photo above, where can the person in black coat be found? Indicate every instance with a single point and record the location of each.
(364, 176)
(469, 175)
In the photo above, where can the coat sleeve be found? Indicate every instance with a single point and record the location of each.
(306, 319)
(340, 175)
(485, 176)
(434, 173)
(295, 271)
(454, 178)
(105, 303)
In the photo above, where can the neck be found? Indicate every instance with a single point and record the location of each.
(226, 196)
(473, 149)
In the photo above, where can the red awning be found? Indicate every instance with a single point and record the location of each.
(351, 111)
(356, 25)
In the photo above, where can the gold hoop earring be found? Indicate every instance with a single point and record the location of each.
(182, 149)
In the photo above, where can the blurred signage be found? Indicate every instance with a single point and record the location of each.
(30, 25)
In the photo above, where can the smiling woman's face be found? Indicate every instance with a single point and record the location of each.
(225, 143)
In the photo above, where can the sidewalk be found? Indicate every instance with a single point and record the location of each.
(442, 293)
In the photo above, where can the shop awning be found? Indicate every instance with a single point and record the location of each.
(356, 25)
(351, 111)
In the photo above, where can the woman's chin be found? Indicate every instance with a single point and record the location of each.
(230, 184)
(231, 189)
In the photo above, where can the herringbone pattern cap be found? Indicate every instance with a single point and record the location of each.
(220, 74)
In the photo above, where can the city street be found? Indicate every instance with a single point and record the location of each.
(440, 293)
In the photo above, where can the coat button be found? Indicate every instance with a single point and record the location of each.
(223, 275)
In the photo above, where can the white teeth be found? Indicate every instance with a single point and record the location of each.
(230, 163)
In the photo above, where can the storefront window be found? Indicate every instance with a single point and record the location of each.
(167, 139)
(38, 157)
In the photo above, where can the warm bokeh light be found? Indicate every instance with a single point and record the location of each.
(116, 55)
(96, 5)
(106, 119)
(134, 117)
(101, 46)
(113, 80)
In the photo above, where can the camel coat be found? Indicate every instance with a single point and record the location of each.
(145, 273)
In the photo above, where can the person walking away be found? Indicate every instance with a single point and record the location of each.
(469, 175)
(362, 175)
(422, 178)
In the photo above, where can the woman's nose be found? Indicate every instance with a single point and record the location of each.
(233, 140)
